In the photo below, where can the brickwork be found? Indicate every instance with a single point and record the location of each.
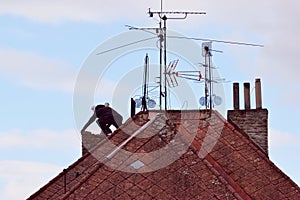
(254, 123)
(90, 140)
(233, 168)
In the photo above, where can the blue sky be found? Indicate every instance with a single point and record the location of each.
(43, 46)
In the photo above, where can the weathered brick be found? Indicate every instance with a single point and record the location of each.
(254, 123)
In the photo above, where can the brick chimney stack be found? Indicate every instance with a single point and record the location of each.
(254, 122)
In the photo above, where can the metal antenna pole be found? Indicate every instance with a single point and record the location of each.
(145, 95)
(161, 39)
(160, 57)
(160, 65)
(210, 81)
(165, 59)
(162, 16)
(205, 77)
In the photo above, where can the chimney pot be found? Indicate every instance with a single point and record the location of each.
(247, 96)
(236, 96)
(258, 97)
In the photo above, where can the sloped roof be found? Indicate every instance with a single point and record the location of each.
(174, 155)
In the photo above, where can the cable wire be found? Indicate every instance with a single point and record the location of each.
(220, 41)
(125, 45)
(181, 37)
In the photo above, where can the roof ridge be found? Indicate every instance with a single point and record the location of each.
(128, 121)
(211, 163)
(246, 137)
(106, 159)
(141, 129)
(196, 146)
(233, 127)
(72, 166)
(211, 159)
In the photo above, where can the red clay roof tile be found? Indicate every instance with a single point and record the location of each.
(205, 158)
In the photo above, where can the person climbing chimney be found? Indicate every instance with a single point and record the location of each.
(106, 117)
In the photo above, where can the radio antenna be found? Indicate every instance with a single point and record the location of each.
(163, 48)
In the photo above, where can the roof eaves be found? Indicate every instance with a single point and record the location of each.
(60, 175)
(101, 163)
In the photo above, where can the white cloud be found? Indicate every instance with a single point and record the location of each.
(57, 11)
(282, 139)
(21, 179)
(284, 150)
(39, 139)
(27, 177)
(36, 71)
(274, 23)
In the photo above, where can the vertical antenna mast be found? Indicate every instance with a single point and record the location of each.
(145, 89)
(160, 57)
(210, 80)
(205, 77)
(208, 77)
(163, 39)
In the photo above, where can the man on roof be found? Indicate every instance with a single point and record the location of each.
(106, 117)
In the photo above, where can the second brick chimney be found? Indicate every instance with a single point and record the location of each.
(254, 122)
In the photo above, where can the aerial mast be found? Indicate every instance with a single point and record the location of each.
(163, 54)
